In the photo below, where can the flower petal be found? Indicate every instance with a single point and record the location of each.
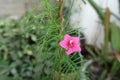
(67, 38)
(77, 48)
(64, 44)
(69, 51)
(76, 40)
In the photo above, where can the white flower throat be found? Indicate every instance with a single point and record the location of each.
(71, 43)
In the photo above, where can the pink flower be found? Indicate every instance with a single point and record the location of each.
(71, 44)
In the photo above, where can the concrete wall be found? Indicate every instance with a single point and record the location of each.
(15, 8)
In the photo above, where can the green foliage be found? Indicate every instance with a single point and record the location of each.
(115, 40)
(29, 48)
(115, 37)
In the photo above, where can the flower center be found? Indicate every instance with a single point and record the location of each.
(70, 43)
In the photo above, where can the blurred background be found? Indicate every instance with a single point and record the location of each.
(29, 39)
(14, 8)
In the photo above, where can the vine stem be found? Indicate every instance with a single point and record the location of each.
(60, 17)
(106, 30)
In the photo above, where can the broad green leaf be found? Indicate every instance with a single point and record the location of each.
(115, 37)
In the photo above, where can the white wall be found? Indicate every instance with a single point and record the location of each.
(84, 16)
